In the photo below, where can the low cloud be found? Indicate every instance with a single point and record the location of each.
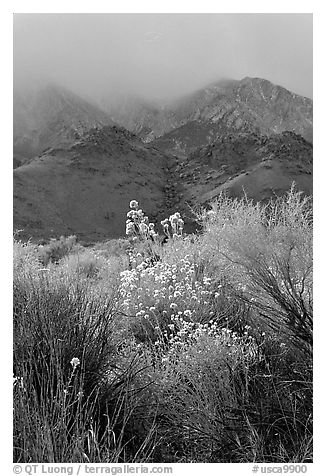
(162, 55)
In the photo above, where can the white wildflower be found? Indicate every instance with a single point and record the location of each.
(75, 362)
(133, 204)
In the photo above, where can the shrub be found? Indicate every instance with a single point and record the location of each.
(196, 351)
(56, 249)
(199, 405)
(25, 257)
(267, 250)
(224, 397)
(86, 264)
(73, 388)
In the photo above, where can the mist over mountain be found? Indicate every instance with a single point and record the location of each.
(50, 115)
(76, 170)
(250, 105)
(161, 56)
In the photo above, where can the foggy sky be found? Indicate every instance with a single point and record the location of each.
(162, 55)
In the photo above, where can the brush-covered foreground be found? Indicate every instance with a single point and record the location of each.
(198, 350)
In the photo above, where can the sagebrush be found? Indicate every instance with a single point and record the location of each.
(169, 348)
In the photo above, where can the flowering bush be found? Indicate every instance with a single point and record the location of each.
(137, 224)
(176, 223)
(163, 290)
(185, 355)
(140, 230)
(184, 335)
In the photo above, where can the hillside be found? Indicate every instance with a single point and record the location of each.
(234, 136)
(249, 105)
(86, 189)
(142, 117)
(261, 166)
(50, 116)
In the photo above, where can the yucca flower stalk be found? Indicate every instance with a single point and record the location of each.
(176, 223)
(141, 230)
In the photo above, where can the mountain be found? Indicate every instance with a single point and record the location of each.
(85, 189)
(50, 116)
(148, 119)
(260, 166)
(250, 105)
(229, 106)
(77, 171)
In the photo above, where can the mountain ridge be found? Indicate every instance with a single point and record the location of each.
(50, 116)
(89, 169)
(250, 104)
(85, 189)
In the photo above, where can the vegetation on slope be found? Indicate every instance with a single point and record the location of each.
(196, 351)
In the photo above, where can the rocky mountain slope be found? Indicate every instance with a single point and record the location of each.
(260, 166)
(237, 137)
(85, 189)
(137, 115)
(50, 116)
(249, 105)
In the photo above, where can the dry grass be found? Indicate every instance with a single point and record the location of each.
(204, 355)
